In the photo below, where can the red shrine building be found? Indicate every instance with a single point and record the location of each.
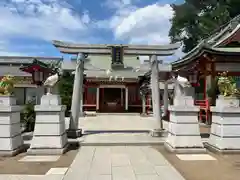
(218, 53)
(110, 89)
(29, 73)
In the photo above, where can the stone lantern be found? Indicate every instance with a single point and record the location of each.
(193, 78)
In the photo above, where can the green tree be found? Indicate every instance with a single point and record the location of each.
(65, 86)
(195, 20)
(28, 117)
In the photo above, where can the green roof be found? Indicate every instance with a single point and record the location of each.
(213, 43)
(97, 65)
(205, 49)
(228, 49)
(223, 32)
(27, 59)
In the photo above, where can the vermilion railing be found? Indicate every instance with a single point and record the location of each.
(89, 96)
(204, 110)
(134, 98)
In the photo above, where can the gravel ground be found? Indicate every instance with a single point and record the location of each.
(225, 167)
(11, 165)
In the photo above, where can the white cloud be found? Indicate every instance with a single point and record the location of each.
(122, 8)
(56, 19)
(145, 25)
(42, 19)
(117, 4)
(149, 24)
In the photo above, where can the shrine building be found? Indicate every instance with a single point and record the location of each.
(110, 88)
(106, 89)
(218, 53)
(27, 75)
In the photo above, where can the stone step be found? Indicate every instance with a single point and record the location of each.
(119, 139)
(115, 131)
(119, 114)
(121, 143)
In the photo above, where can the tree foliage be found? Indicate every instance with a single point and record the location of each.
(65, 86)
(195, 20)
(28, 117)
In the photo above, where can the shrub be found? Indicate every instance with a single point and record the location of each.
(28, 117)
(65, 87)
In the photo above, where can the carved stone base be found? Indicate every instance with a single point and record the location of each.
(215, 149)
(11, 141)
(225, 128)
(157, 133)
(74, 133)
(50, 99)
(20, 149)
(183, 132)
(49, 133)
(186, 150)
(48, 151)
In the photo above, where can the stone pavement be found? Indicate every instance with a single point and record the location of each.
(118, 139)
(121, 122)
(121, 159)
(121, 163)
(31, 177)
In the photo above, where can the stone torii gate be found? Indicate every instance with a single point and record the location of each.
(107, 49)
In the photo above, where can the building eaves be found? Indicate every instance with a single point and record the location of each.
(13, 71)
(119, 74)
(222, 33)
(191, 54)
(227, 50)
(228, 35)
(223, 51)
(28, 59)
(207, 49)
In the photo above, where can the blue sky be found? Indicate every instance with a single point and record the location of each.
(28, 26)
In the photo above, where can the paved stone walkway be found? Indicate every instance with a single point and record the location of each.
(121, 163)
(104, 122)
(120, 139)
(31, 177)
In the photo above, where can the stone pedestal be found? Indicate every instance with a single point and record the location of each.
(157, 132)
(184, 134)
(11, 142)
(49, 135)
(225, 129)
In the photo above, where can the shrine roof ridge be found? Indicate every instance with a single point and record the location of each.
(203, 48)
(28, 59)
(228, 27)
(14, 71)
(120, 73)
(213, 42)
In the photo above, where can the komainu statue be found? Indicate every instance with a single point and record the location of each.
(7, 85)
(181, 85)
(227, 86)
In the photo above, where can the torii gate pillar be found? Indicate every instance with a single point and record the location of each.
(77, 99)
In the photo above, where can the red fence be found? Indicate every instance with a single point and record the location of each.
(134, 98)
(90, 96)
